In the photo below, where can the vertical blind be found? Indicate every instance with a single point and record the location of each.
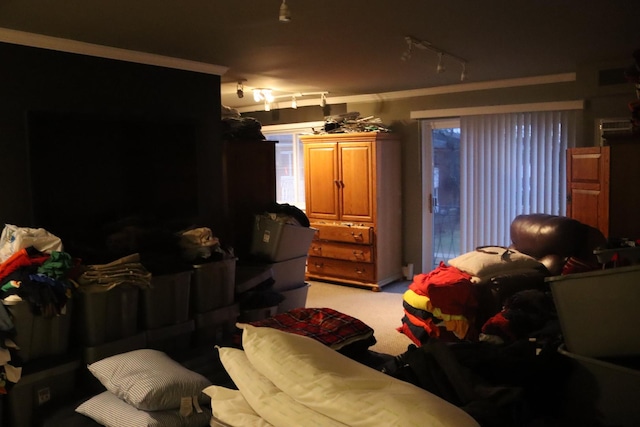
(511, 164)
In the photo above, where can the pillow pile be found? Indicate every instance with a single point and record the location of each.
(288, 379)
(147, 388)
(490, 261)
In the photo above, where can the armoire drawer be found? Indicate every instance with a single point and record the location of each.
(346, 251)
(360, 234)
(329, 267)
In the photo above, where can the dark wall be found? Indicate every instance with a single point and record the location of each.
(83, 136)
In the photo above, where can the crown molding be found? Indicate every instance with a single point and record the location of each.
(82, 48)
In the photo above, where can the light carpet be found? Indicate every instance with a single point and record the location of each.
(382, 311)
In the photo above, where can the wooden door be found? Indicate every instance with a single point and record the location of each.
(588, 186)
(356, 181)
(322, 178)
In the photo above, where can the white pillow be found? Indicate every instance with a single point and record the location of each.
(230, 407)
(490, 260)
(265, 398)
(149, 379)
(108, 410)
(341, 388)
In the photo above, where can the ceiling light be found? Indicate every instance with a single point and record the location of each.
(257, 95)
(285, 14)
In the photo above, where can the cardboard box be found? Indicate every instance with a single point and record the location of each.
(275, 241)
(39, 336)
(597, 311)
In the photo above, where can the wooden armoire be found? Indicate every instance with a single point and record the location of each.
(603, 186)
(353, 199)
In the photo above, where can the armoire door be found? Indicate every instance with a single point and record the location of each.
(322, 180)
(588, 186)
(356, 181)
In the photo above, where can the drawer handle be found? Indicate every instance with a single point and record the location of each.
(317, 249)
(359, 271)
(358, 254)
(318, 265)
(358, 236)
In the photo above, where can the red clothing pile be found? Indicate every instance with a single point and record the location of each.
(442, 304)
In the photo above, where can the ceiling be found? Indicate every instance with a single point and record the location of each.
(347, 48)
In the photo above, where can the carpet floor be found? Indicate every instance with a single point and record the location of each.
(382, 311)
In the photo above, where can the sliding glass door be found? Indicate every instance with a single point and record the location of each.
(441, 178)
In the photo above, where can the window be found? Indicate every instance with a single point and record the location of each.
(289, 161)
(511, 164)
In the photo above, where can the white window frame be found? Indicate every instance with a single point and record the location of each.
(295, 130)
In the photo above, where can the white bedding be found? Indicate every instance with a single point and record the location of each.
(320, 387)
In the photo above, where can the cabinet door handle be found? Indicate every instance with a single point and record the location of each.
(337, 182)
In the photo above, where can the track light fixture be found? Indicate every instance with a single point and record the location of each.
(440, 68)
(425, 45)
(294, 102)
(240, 89)
(323, 100)
(285, 14)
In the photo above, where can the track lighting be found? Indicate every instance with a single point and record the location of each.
(294, 103)
(285, 14)
(262, 95)
(425, 45)
(323, 100)
(440, 68)
(240, 89)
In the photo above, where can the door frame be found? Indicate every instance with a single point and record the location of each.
(426, 148)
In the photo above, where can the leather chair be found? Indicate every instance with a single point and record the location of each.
(552, 240)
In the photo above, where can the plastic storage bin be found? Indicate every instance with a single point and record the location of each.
(597, 311)
(214, 326)
(276, 241)
(166, 303)
(39, 336)
(107, 316)
(171, 339)
(38, 390)
(294, 298)
(603, 391)
(213, 285)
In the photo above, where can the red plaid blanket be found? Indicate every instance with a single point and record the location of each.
(330, 327)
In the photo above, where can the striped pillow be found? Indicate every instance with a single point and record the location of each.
(149, 379)
(107, 410)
